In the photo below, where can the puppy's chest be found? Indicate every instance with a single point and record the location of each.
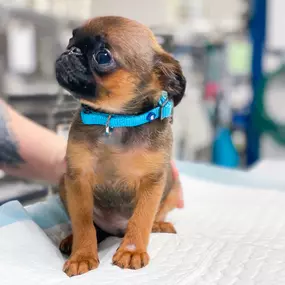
(115, 163)
(119, 168)
(118, 172)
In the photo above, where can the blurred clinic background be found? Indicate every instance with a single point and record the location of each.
(231, 52)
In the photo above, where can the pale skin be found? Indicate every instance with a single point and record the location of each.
(31, 151)
(34, 152)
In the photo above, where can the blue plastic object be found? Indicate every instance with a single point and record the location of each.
(224, 152)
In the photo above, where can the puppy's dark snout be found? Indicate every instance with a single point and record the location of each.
(75, 51)
(73, 73)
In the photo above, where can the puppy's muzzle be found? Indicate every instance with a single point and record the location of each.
(73, 73)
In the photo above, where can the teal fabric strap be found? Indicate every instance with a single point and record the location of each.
(162, 111)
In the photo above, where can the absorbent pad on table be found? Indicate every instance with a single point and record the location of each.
(226, 235)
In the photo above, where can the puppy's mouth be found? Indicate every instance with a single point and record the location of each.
(73, 73)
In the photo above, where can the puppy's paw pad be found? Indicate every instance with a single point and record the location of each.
(80, 265)
(130, 259)
(66, 245)
(163, 227)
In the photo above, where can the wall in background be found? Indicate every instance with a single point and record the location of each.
(165, 13)
(149, 12)
(223, 11)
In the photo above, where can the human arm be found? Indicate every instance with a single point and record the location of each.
(29, 150)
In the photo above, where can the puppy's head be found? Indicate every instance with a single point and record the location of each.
(116, 65)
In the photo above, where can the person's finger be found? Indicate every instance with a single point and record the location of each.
(180, 203)
(175, 173)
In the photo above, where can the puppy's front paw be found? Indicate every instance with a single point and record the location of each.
(131, 259)
(80, 263)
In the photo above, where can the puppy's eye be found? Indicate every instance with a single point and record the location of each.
(103, 62)
(103, 57)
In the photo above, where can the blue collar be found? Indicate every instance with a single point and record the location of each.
(162, 111)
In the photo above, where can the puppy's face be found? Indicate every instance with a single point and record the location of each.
(116, 65)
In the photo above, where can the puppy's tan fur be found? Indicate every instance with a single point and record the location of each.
(131, 176)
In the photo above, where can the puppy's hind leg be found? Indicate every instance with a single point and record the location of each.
(170, 203)
(66, 244)
(163, 227)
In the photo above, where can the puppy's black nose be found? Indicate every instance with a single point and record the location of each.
(75, 51)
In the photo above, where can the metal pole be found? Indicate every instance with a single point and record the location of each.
(258, 35)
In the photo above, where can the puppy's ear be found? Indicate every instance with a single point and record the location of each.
(170, 76)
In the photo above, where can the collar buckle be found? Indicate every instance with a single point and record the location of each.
(163, 104)
(107, 126)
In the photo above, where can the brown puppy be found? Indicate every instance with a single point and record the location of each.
(121, 181)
